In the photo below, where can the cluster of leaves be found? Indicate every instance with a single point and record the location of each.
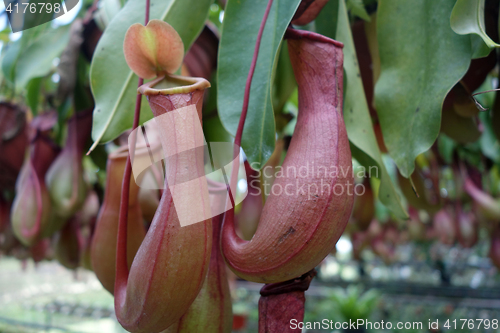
(343, 305)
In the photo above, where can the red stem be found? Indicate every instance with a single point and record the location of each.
(146, 15)
(121, 277)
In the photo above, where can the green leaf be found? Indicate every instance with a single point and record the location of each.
(210, 102)
(5, 35)
(25, 18)
(479, 47)
(417, 72)
(461, 129)
(326, 22)
(284, 80)
(467, 17)
(490, 146)
(356, 113)
(214, 14)
(82, 99)
(113, 84)
(17, 48)
(214, 131)
(36, 59)
(10, 59)
(107, 10)
(241, 23)
(33, 94)
(446, 148)
(357, 8)
(489, 143)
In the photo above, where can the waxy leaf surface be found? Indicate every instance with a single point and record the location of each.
(334, 23)
(417, 72)
(242, 19)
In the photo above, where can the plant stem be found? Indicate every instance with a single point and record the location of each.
(122, 271)
(279, 303)
(146, 15)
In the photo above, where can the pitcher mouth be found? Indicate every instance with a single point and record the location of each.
(168, 84)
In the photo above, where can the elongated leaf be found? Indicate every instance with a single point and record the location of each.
(36, 59)
(284, 80)
(242, 19)
(31, 45)
(417, 72)
(327, 21)
(4, 35)
(490, 146)
(214, 131)
(357, 7)
(356, 114)
(489, 143)
(371, 36)
(28, 14)
(107, 10)
(466, 18)
(113, 84)
(9, 60)
(33, 94)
